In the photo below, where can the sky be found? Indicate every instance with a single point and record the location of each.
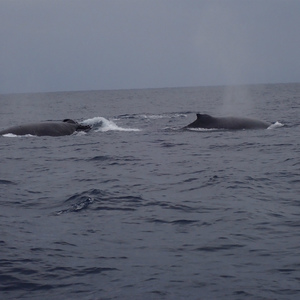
(72, 45)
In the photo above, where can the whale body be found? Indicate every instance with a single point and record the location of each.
(231, 123)
(65, 127)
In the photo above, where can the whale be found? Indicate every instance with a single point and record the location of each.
(231, 123)
(65, 127)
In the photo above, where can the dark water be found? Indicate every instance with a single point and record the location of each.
(140, 209)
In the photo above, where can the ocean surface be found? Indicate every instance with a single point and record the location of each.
(139, 208)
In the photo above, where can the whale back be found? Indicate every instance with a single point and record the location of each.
(66, 127)
(202, 121)
(42, 129)
(231, 123)
(241, 123)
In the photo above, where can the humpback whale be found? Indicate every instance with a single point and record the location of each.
(65, 127)
(232, 123)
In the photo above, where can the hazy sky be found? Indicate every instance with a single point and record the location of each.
(63, 45)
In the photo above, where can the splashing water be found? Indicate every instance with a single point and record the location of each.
(275, 125)
(101, 124)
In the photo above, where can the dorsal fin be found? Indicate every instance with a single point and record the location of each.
(202, 116)
(70, 121)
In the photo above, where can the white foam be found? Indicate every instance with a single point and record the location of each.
(93, 121)
(11, 135)
(164, 116)
(106, 125)
(202, 129)
(275, 125)
(154, 117)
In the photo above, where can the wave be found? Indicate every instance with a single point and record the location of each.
(3, 181)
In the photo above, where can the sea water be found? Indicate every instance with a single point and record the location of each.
(139, 208)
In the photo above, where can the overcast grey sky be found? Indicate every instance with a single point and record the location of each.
(64, 45)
